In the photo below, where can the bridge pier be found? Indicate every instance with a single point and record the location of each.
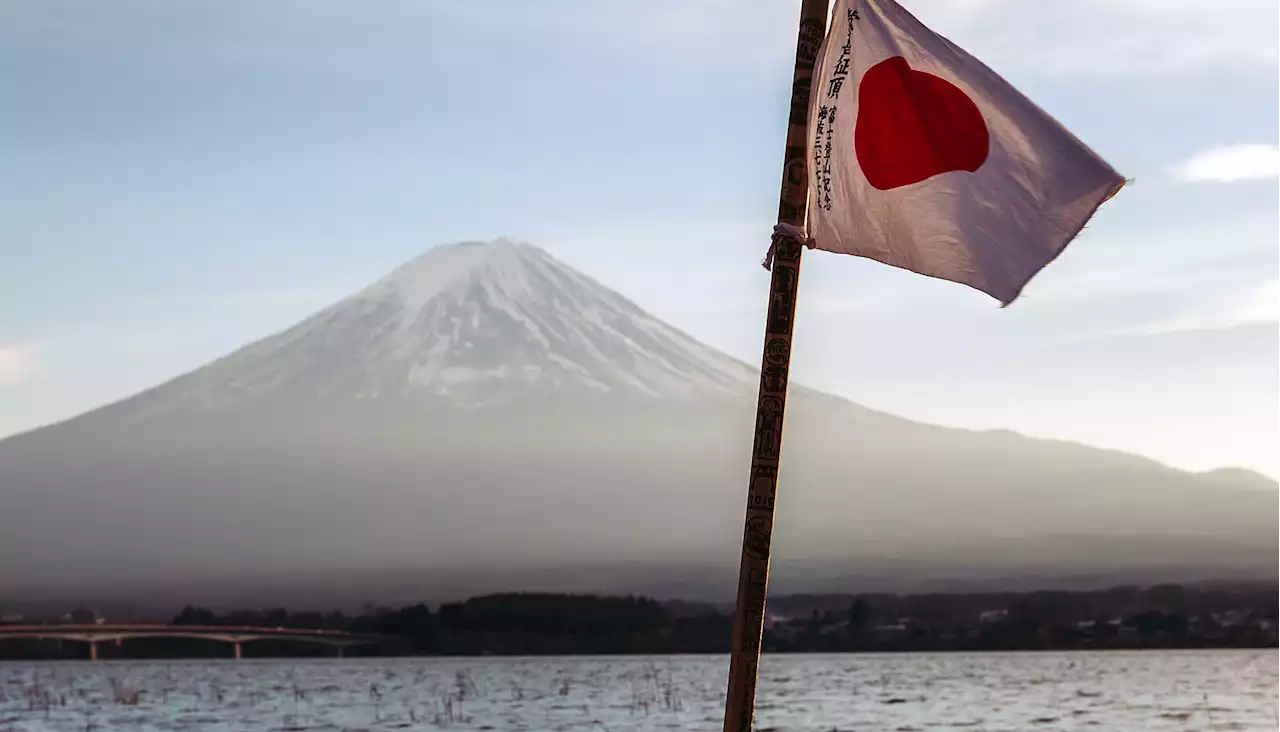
(236, 646)
(93, 650)
(342, 652)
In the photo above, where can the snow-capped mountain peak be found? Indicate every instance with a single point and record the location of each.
(471, 324)
(419, 280)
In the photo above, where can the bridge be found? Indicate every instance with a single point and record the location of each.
(235, 635)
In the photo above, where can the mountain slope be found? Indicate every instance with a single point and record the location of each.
(486, 406)
(466, 325)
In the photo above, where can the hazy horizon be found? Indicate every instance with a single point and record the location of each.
(486, 406)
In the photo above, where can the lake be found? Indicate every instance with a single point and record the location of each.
(1158, 690)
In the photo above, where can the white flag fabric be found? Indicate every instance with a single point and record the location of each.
(923, 158)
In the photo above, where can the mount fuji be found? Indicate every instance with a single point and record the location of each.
(467, 326)
(487, 413)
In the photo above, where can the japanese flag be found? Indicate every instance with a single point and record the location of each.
(923, 158)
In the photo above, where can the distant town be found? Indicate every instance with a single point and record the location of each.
(1167, 616)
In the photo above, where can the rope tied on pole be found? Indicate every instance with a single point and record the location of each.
(784, 233)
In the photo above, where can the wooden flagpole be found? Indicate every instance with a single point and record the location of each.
(753, 574)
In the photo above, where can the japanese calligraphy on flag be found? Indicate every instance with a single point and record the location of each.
(923, 158)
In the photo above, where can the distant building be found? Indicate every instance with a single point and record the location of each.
(992, 616)
(773, 620)
(1233, 618)
(891, 629)
(85, 616)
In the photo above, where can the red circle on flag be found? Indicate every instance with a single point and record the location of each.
(913, 125)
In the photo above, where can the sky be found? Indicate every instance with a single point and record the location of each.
(178, 179)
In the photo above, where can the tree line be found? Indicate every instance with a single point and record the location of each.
(509, 624)
(543, 623)
(1167, 616)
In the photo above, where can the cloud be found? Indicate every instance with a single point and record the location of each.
(1110, 37)
(1080, 38)
(1262, 305)
(697, 28)
(1230, 163)
(350, 38)
(17, 364)
(1085, 37)
(1138, 278)
(1258, 305)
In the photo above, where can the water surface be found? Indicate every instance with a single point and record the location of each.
(1202, 690)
